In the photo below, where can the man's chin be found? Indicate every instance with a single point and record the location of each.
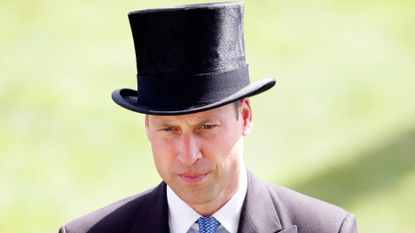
(195, 195)
(197, 200)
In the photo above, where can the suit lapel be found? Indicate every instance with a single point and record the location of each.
(290, 229)
(153, 216)
(259, 211)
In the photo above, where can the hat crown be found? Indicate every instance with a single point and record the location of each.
(189, 59)
(188, 40)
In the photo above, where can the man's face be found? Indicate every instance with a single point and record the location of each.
(200, 155)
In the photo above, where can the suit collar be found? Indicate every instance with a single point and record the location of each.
(153, 215)
(259, 211)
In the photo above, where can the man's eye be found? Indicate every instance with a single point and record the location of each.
(208, 126)
(168, 129)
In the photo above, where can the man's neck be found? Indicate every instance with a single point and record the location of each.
(208, 209)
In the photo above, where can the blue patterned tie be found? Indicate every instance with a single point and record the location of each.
(207, 224)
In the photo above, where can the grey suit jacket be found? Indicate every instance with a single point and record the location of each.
(266, 209)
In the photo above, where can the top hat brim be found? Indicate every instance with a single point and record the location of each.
(128, 99)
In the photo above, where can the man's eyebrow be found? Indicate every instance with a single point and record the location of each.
(197, 122)
(210, 117)
(163, 124)
(158, 122)
(208, 120)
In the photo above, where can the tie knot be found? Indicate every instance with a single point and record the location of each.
(207, 224)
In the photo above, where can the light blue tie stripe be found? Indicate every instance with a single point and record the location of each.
(208, 224)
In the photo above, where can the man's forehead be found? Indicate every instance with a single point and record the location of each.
(216, 113)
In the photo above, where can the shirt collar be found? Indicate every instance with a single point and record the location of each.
(182, 216)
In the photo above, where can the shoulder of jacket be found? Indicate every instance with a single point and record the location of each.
(306, 212)
(119, 213)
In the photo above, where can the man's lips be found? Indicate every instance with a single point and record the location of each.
(193, 178)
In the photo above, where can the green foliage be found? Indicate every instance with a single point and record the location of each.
(339, 125)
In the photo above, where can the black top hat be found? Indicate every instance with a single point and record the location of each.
(189, 59)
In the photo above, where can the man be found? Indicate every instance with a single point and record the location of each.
(193, 86)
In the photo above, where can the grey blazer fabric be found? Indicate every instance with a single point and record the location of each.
(267, 209)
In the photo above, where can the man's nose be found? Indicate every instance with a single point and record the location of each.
(189, 151)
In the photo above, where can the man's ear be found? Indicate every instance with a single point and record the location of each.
(246, 113)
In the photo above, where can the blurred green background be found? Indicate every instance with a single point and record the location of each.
(339, 125)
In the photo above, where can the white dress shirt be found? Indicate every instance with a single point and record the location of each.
(182, 217)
